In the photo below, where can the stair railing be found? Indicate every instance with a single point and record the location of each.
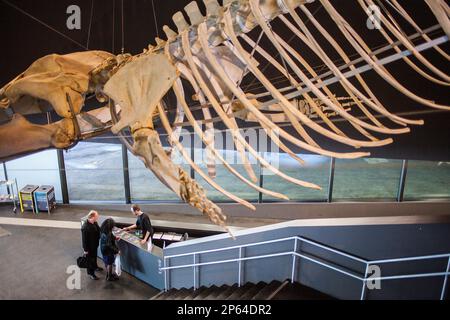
(364, 278)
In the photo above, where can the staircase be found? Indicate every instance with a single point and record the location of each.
(275, 290)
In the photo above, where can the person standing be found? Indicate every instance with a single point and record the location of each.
(143, 223)
(109, 248)
(90, 236)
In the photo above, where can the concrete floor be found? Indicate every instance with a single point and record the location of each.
(34, 260)
(4, 233)
(33, 264)
(76, 212)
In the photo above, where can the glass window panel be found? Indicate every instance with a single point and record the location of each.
(367, 178)
(225, 178)
(36, 169)
(95, 172)
(316, 170)
(427, 179)
(145, 185)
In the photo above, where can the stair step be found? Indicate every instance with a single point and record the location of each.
(239, 291)
(252, 291)
(229, 291)
(195, 293)
(167, 294)
(265, 292)
(215, 292)
(296, 291)
(205, 293)
(181, 294)
(261, 291)
(282, 287)
(155, 297)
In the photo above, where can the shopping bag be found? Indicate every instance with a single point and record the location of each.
(118, 266)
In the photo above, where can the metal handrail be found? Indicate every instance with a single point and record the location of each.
(228, 260)
(295, 254)
(434, 256)
(314, 243)
(231, 248)
(268, 242)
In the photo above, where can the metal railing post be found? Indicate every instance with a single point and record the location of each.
(165, 275)
(293, 261)
(297, 253)
(444, 285)
(363, 290)
(195, 272)
(240, 267)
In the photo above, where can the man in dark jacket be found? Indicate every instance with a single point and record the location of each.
(90, 236)
(143, 223)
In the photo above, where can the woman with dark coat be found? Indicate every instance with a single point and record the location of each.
(109, 248)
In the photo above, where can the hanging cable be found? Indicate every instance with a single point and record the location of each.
(43, 23)
(289, 41)
(90, 25)
(123, 32)
(154, 17)
(113, 25)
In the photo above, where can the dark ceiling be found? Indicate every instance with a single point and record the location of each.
(24, 39)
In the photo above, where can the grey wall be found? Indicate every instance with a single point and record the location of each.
(291, 211)
(370, 242)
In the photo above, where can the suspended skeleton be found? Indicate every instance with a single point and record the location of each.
(209, 55)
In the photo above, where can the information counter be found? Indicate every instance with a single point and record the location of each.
(136, 260)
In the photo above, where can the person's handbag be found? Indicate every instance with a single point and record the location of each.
(82, 262)
(118, 266)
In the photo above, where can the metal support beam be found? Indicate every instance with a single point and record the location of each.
(5, 172)
(192, 171)
(401, 184)
(362, 69)
(331, 180)
(126, 174)
(63, 177)
(261, 184)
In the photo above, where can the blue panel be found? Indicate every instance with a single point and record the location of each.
(141, 264)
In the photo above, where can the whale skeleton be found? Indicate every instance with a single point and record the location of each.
(209, 56)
